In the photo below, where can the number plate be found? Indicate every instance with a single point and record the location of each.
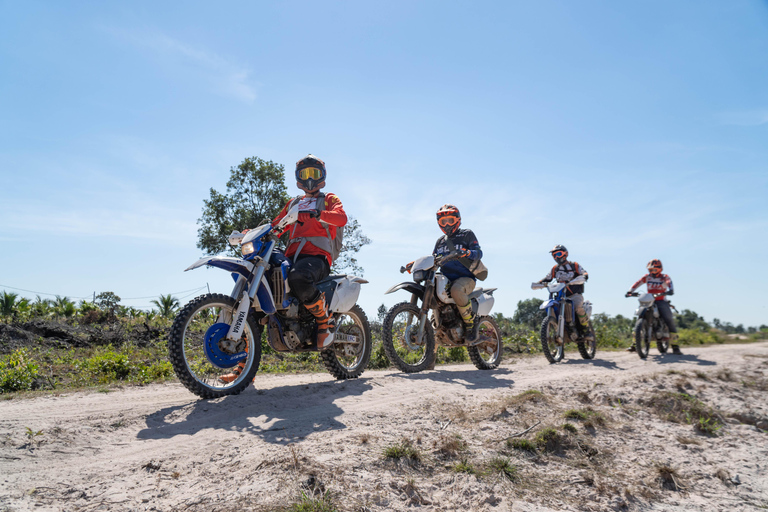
(344, 338)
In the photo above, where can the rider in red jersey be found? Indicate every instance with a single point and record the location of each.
(660, 285)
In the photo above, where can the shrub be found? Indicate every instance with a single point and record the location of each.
(502, 466)
(404, 450)
(17, 371)
(521, 444)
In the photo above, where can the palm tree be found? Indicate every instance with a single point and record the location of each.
(167, 305)
(41, 307)
(8, 304)
(62, 306)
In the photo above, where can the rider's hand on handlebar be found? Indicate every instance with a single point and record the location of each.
(463, 253)
(628, 294)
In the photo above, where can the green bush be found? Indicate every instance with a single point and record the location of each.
(17, 371)
(697, 337)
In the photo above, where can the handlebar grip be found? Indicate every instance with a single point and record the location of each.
(402, 270)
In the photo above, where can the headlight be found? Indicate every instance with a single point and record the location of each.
(247, 248)
(419, 275)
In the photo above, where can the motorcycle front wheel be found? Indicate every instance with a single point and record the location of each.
(642, 340)
(552, 350)
(587, 349)
(399, 332)
(351, 350)
(188, 355)
(487, 354)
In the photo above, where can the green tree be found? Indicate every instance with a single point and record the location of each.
(8, 304)
(167, 305)
(108, 301)
(354, 240)
(528, 313)
(690, 320)
(255, 193)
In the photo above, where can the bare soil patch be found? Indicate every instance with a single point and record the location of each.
(617, 433)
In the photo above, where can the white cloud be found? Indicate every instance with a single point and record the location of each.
(225, 76)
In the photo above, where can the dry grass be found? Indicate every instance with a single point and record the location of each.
(668, 477)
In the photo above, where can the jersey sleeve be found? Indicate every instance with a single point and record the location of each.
(639, 283)
(333, 213)
(581, 271)
(550, 275)
(282, 213)
(473, 246)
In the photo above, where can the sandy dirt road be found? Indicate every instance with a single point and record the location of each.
(160, 448)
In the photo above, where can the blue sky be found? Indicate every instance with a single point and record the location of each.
(626, 131)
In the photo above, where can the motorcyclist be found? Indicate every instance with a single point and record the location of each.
(309, 245)
(462, 280)
(565, 271)
(660, 285)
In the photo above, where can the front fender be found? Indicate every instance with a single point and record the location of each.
(409, 286)
(236, 265)
(548, 304)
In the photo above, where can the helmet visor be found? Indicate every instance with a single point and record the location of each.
(448, 220)
(558, 254)
(310, 173)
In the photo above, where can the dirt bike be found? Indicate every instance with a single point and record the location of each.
(649, 325)
(561, 324)
(214, 332)
(409, 334)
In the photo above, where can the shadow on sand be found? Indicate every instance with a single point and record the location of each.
(279, 415)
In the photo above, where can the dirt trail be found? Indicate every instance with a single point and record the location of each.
(160, 448)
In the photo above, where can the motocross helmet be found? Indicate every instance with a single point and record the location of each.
(560, 254)
(654, 267)
(310, 174)
(449, 219)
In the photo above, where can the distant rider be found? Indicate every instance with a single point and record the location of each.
(660, 285)
(564, 272)
(462, 280)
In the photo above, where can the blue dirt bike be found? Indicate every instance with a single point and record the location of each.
(560, 325)
(214, 333)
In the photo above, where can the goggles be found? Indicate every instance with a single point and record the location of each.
(558, 254)
(448, 220)
(310, 172)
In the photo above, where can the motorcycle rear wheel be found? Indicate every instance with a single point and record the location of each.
(487, 355)
(186, 347)
(642, 341)
(348, 360)
(552, 350)
(399, 331)
(587, 349)
(663, 344)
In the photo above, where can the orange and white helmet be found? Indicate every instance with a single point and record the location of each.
(448, 218)
(654, 267)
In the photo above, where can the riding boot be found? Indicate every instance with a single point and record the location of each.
(325, 323)
(584, 321)
(632, 348)
(674, 345)
(470, 325)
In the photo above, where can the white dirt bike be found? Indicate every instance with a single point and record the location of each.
(649, 326)
(409, 334)
(215, 332)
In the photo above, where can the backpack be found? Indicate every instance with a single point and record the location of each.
(332, 246)
(477, 267)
